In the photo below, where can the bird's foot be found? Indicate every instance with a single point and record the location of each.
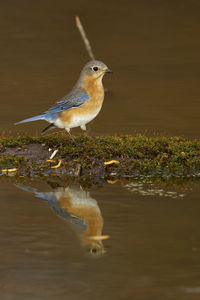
(72, 138)
(87, 132)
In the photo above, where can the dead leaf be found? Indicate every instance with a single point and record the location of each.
(111, 162)
(58, 165)
(9, 170)
(112, 181)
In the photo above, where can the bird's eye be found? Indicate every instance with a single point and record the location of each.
(93, 250)
(95, 69)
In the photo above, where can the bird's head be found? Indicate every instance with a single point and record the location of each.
(94, 70)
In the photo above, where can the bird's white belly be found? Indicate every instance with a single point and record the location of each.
(80, 120)
(77, 120)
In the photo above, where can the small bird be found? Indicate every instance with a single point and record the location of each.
(81, 105)
(78, 208)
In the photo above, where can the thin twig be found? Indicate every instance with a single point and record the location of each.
(84, 37)
(53, 154)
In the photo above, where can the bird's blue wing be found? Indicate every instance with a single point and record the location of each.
(74, 99)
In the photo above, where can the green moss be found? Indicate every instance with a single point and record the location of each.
(139, 155)
(13, 161)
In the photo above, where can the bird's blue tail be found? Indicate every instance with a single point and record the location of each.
(36, 118)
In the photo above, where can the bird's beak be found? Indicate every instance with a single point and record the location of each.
(108, 71)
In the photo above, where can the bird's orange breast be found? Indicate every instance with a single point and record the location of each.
(89, 213)
(91, 107)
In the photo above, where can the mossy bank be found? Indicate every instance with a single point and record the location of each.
(133, 157)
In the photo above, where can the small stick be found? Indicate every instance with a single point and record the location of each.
(84, 37)
(53, 154)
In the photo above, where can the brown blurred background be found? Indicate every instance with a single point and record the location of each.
(152, 46)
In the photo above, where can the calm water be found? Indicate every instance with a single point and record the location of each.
(46, 247)
(152, 46)
(152, 253)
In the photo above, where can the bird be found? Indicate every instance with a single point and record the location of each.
(81, 105)
(76, 206)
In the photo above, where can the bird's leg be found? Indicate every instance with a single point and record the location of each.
(86, 131)
(83, 127)
(49, 127)
(71, 136)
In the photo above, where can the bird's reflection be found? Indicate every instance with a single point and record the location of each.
(77, 207)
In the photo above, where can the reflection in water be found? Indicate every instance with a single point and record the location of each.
(148, 188)
(77, 207)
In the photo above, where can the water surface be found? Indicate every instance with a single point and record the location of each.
(152, 46)
(153, 250)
